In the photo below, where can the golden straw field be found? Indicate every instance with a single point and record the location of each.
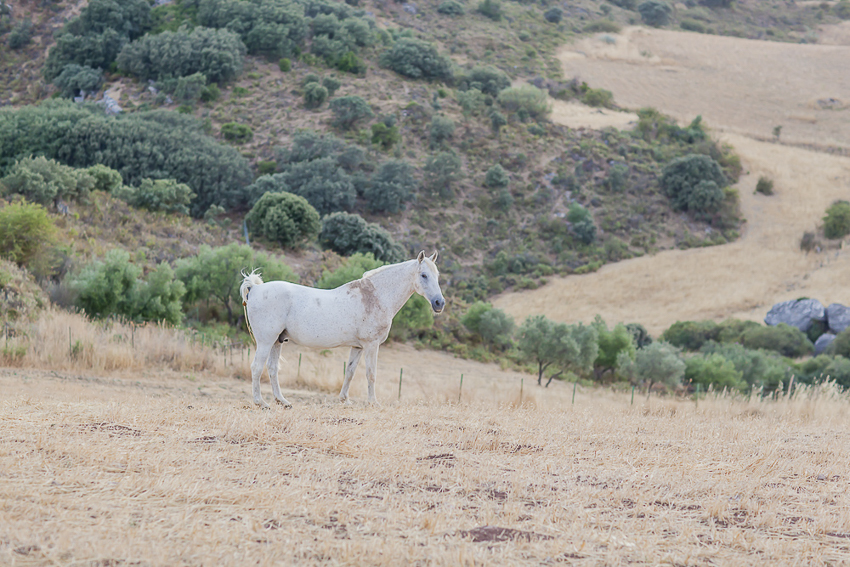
(127, 466)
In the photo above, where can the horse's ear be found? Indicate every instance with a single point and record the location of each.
(421, 256)
(433, 257)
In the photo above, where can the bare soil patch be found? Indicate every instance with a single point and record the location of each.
(742, 279)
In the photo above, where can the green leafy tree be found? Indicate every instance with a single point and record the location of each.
(44, 181)
(348, 234)
(611, 343)
(655, 13)
(492, 326)
(284, 218)
(159, 297)
(391, 186)
(836, 223)
(693, 183)
(441, 172)
(76, 78)
(658, 363)
(348, 110)
(213, 276)
(557, 345)
(714, 370)
(417, 59)
(582, 224)
(165, 195)
(26, 236)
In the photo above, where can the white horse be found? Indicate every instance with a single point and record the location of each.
(358, 315)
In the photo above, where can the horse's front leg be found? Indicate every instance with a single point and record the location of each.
(371, 372)
(353, 359)
(274, 363)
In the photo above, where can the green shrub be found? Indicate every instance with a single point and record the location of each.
(732, 330)
(239, 133)
(310, 78)
(325, 185)
(165, 195)
(308, 145)
(442, 129)
(484, 78)
(21, 34)
(553, 15)
(784, 339)
(714, 370)
(269, 28)
(331, 84)
(315, 95)
(391, 187)
(441, 172)
(655, 13)
(625, 4)
(75, 78)
(189, 89)
(613, 345)
(496, 328)
(348, 110)
(266, 167)
(496, 177)
(836, 223)
(105, 178)
(491, 9)
(218, 54)
(45, 181)
(841, 344)
(417, 59)
(451, 8)
(527, 101)
(350, 63)
(582, 223)
(764, 186)
(618, 177)
(693, 183)
(285, 65)
(598, 97)
(284, 218)
(825, 367)
(758, 368)
(349, 234)
(210, 93)
(842, 9)
(385, 136)
(26, 234)
(691, 335)
(688, 24)
(602, 26)
(497, 120)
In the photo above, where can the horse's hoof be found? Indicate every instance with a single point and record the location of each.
(285, 404)
(262, 405)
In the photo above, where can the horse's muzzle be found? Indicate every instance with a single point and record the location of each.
(438, 304)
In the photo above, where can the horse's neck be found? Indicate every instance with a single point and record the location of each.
(395, 284)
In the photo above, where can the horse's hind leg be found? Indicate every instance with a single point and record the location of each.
(274, 363)
(353, 359)
(371, 362)
(257, 366)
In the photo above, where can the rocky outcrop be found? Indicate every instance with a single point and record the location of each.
(798, 313)
(838, 317)
(823, 342)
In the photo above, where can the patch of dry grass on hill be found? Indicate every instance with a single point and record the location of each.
(153, 472)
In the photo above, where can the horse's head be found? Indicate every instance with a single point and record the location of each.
(427, 281)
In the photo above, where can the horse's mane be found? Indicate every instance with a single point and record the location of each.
(380, 269)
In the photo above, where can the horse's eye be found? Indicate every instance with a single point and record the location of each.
(424, 276)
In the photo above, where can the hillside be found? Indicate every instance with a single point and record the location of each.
(745, 89)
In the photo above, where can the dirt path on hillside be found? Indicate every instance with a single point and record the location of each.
(745, 278)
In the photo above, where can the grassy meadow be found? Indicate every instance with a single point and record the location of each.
(122, 458)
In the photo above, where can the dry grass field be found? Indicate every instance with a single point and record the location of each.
(743, 88)
(116, 459)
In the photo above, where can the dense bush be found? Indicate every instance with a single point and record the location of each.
(239, 133)
(21, 34)
(490, 325)
(484, 78)
(655, 13)
(442, 129)
(496, 177)
(165, 195)
(105, 178)
(95, 37)
(658, 363)
(267, 27)
(491, 9)
(764, 186)
(836, 223)
(348, 110)
(391, 187)
(114, 286)
(285, 65)
(212, 277)
(841, 344)
(315, 95)
(526, 101)
(349, 234)
(26, 235)
(825, 367)
(451, 8)
(602, 26)
(45, 181)
(441, 172)
(325, 185)
(385, 137)
(218, 54)
(284, 218)
(417, 59)
(581, 221)
(553, 15)
(784, 339)
(714, 370)
(191, 88)
(691, 335)
(693, 183)
(758, 368)
(332, 84)
(598, 97)
(138, 145)
(308, 145)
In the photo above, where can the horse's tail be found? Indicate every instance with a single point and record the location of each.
(248, 281)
